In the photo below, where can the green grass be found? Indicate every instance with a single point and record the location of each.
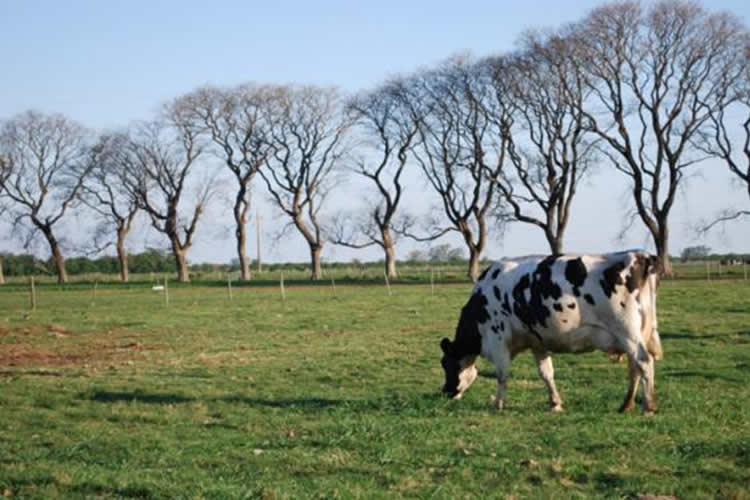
(334, 394)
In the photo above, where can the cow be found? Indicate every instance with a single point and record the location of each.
(556, 304)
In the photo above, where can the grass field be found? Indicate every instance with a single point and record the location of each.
(334, 394)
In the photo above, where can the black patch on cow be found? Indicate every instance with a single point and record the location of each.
(484, 273)
(496, 291)
(506, 304)
(494, 329)
(543, 284)
(564, 320)
(622, 304)
(589, 299)
(572, 305)
(557, 307)
(502, 326)
(521, 308)
(495, 274)
(468, 341)
(611, 277)
(541, 287)
(575, 273)
(642, 266)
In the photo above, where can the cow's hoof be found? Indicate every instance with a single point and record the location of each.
(556, 408)
(626, 407)
(496, 404)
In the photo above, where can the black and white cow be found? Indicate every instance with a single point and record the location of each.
(559, 303)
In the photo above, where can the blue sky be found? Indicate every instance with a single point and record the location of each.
(106, 63)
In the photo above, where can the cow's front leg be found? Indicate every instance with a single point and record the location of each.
(649, 378)
(502, 370)
(547, 372)
(634, 377)
(644, 366)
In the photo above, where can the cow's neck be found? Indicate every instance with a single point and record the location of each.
(468, 342)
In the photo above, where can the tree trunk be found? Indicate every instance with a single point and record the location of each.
(2, 276)
(180, 257)
(241, 234)
(122, 257)
(475, 249)
(390, 254)
(57, 256)
(555, 243)
(474, 270)
(661, 241)
(315, 251)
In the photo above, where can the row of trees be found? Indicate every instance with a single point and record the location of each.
(148, 261)
(652, 92)
(154, 260)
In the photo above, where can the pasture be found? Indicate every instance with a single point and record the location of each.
(333, 393)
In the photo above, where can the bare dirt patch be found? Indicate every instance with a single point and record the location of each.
(106, 348)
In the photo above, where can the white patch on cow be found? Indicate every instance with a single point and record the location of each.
(466, 377)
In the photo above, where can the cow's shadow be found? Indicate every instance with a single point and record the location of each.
(311, 403)
(699, 336)
(137, 397)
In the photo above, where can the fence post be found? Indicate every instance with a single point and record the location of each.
(229, 285)
(166, 293)
(281, 285)
(708, 270)
(33, 295)
(333, 284)
(432, 281)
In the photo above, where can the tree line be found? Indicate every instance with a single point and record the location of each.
(652, 91)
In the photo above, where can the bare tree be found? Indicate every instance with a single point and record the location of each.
(4, 172)
(390, 133)
(236, 121)
(548, 148)
(461, 152)
(162, 157)
(44, 165)
(655, 76)
(105, 193)
(308, 133)
(724, 141)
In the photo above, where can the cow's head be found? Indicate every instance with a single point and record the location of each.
(460, 371)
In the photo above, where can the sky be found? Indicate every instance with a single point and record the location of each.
(106, 64)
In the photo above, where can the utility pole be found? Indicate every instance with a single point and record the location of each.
(257, 234)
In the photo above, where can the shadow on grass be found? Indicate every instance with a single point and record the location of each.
(705, 375)
(696, 336)
(138, 396)
(389, 403)
(19, 373)
(100, 491)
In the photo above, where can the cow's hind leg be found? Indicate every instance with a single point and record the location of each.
(547, 372)
(634, 377)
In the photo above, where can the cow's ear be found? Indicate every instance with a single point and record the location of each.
(445, 345)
